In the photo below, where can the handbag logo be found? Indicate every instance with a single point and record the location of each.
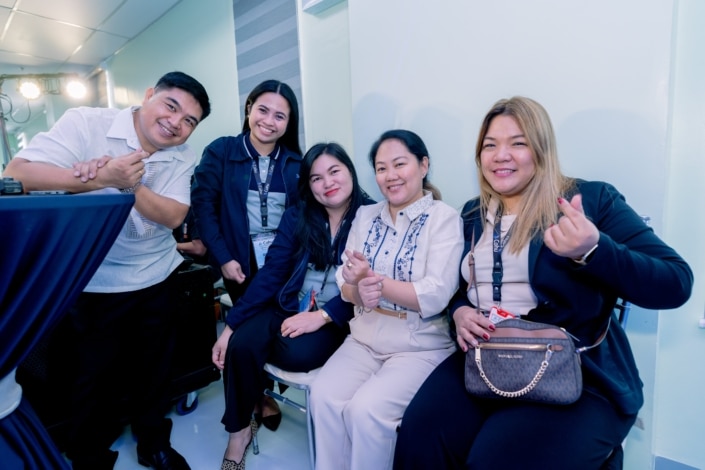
(510, 356)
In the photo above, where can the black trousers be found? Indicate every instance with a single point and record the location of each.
(235, 289)
(258, 341)
(116, 355)
(445, 428)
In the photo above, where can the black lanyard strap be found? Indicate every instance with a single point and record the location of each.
(334, 250)
(498, 244)
(263, 188)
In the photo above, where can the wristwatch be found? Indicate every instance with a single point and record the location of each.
(325, 316)
(132, 189)
(583, 260)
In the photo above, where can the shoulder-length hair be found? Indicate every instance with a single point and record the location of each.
(312, 229)
(415, 146)
(538, 209)
(290, 139)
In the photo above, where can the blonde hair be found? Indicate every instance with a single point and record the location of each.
(538, 207)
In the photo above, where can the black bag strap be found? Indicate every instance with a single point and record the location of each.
(472, 282)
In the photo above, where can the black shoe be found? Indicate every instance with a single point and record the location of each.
(103, 461)
(165, 459)
(272, 422)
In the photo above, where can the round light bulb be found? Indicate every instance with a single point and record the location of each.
(76, 89)
(30, 89)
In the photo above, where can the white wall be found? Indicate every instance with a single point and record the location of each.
(679, 412)
(325, 76)
(600, 68)
(198, 41)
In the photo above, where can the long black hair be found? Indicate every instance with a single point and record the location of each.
(290, 139)
(312, 229)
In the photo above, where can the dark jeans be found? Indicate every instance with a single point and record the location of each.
(445, 428)
(258, 341)
(116, 357)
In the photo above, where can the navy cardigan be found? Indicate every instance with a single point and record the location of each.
(280, 279)
(631, 262)
(219, 198)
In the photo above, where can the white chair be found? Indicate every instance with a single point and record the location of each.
(300, 381)
(297, 380)
(226, 303)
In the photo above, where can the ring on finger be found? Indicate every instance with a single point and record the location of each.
(349, 265)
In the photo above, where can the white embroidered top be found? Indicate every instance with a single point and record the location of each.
(424, 247)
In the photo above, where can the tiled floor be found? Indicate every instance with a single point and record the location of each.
(201, 438)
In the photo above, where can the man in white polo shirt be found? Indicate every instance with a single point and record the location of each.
(119, 336)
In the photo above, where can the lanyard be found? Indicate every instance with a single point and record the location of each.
(334, 250)
(262, 188)
(498, 243)
(325, 280)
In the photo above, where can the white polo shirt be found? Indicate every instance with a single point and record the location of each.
(145, 252)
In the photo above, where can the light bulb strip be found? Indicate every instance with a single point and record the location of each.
(32, 86)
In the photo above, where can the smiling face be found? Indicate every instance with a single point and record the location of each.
(268, 117)
(331, 182)
(166, 119)
(506, 160)
(399, 174)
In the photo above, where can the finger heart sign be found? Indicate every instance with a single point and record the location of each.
(574, 233)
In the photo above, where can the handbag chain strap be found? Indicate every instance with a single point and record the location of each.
(529, 387)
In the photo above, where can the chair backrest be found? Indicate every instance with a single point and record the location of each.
(622, 307)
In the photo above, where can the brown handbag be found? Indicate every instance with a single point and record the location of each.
(527, 361)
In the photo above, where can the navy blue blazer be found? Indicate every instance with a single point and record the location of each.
(219, 198)
(631, 263)
(280, 279)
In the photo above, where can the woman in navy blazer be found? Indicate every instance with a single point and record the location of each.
(240, 175)
(568, 249)
(268, 323)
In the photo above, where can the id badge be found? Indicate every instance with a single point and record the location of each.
(498, 315)
(308, 302)
(261, 243)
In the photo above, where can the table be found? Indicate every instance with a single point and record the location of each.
(50, 247)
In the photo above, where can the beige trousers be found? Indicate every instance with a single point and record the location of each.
(358, 400)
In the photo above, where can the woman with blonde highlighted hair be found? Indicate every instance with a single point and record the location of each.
(549, 249)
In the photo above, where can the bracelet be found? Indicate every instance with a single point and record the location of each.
(584, 259)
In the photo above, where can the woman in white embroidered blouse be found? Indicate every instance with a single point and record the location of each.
(395, 272)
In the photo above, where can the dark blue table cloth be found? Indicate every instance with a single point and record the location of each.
(50, 247)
